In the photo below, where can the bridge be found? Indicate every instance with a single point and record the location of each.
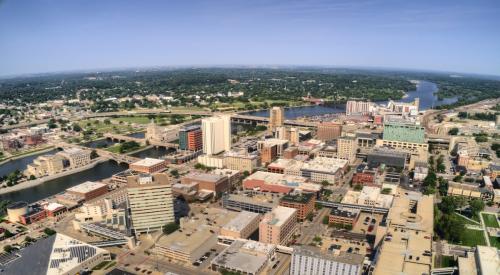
(373, 209)
(247, 119)
(101, 152)
(113, 237)
(123, 138)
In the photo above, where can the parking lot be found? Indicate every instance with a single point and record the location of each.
(367, 223)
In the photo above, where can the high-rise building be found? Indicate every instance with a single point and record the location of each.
(403, 131)
(309, 260)
(358, 107)
(150, 201)
(329, 131)
(216, 134)
(347, 148)
(191, 138)
(278, 226)
(276, 117)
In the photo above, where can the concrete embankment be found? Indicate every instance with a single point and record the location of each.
(33, 183)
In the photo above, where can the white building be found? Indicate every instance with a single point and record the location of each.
(216, 134)
(311, 261)
(151, 202)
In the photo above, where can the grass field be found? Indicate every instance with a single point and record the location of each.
(466, 221)
(133, 119)
(490, 220)
(495, 242)
(472, 238)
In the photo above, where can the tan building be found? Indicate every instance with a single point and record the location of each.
(45, 166)
(77, 157)
(150, 201)
(186, 246)
(242, 226)
(347, 148)
(406, 240)
(157, 133)
(241, 161)
(276, 117)
(149, 165)
(329, 131)
(278, 226)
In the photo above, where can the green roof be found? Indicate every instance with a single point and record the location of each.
(300, 198)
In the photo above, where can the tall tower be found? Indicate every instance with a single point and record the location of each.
(276, 117)
(216, 133)
(150, 201)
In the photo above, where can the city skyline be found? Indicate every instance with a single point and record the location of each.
(56, 36)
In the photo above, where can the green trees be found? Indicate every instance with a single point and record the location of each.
(49, 231)
(453, 131)
(429, 183)
(128, 146)
(93, 154)
(170, 228)
(476, 206)
(440, 166)
(76, 127)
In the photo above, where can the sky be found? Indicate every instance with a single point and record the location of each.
(64, 35)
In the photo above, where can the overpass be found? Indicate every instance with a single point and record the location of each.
(123, 138)
(373, 209)
(247, 119)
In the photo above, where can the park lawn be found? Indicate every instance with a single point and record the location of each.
(490, 220)
(472, 238)
(133, 119)
(466, 221)
(114, 149)
(495, 242)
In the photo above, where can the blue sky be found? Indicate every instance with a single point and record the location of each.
(59, 35)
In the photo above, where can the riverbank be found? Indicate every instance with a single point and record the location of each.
(27, 154)
(36, 182)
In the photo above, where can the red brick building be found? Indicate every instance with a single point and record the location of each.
(364, 178)
(88, 190)
(304, 203)
(195, 140)
(343, 216)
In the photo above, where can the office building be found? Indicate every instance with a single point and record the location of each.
(45, 166)
(347, 148)
(308, 260)
(276, 117)
(191, 138)
(484, 260)
(161, 134)
(150, 201)
(279, 183)
(369, 196)
(56, 254)
(241, 226)
(343, 216)
(328, 131)
(405, 241)
(77, 157)
(241, 161)
(187, 246)
(403, 131)
(149, 165)
(216, 133)
(215, 183)
(278, 226)
(271, 148)
(303, 202)
(358, 107)
(244, 257)
(88, 190)
(324, 169)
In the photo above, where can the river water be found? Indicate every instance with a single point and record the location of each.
(425, 91)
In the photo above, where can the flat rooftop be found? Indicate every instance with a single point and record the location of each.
(245, 256)
(278, 215)
(325, 165)
(298, 198)
(347, 258)
(186, 241)
(200, 176)
(86, 187)
(148, 162)
(242, 220)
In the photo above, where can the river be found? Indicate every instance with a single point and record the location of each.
(425, 91)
